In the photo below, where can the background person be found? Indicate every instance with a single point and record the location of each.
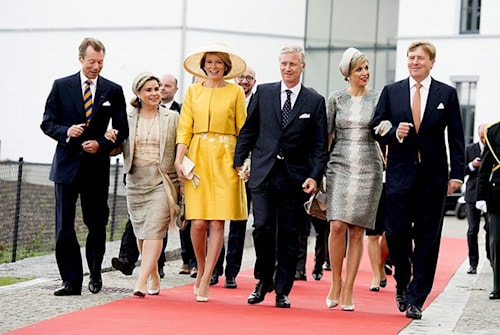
(353, 174)
(77, 113)
(422, 112)
(285, 132)
(212, 115)
(237, 229)
(473, 154)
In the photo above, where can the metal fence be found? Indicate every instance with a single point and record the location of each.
(27, 209)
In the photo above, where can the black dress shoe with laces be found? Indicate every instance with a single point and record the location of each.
(122, 265)
(317, 275)
(67, 289)
(300, 275)
(214, 279)
(472, 270)
(260, 292)
(282, 301)
(494, 295)
(401, 300)
(230, 282)
(414, 312)
(95, 285)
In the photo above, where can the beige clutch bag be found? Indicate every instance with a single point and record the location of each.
(188, 170)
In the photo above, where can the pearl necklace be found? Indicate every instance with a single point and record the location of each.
(147, 135)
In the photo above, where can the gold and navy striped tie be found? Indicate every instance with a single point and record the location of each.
(87, 100)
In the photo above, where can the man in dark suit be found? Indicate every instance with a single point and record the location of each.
(129, 254)
(77, 113)
(473, 162)
(285, 132)
(488, 199)
(420, 111)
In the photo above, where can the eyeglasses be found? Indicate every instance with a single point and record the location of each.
(248, 78)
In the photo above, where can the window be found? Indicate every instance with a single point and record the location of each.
(470, 16)
(466, 90)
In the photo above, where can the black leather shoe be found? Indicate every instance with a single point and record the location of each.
(230, 282)
(122, 265)
(260, 292)
(214, 279)
(494, 295)
(95, 285)
(161, 272)
(67, 289)
(282, 301)
(472, 270)
(300, 275)
(317, 275)
(401, 300)
(327, 266)
(414, 312)
(387, 269)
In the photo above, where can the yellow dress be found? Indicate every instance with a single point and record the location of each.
(209, 123)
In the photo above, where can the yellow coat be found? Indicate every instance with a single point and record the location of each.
(209, 123)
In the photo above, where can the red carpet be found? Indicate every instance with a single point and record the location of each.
(175, 310)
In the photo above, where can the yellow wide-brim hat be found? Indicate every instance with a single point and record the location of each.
(192, 62)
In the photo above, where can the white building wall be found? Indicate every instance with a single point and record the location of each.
(40, 43)
(457, 55)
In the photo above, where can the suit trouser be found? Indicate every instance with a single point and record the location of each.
(473, 222)
(414, 221)
(93, 190)
(187, 251)
(235, 246)
(279, 217)
(129, 250)
(322, 229)
(494, 243)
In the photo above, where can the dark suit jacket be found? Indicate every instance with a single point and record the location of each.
(64, 108)
(176, 106)
(471, 151)
(488, 181)
(303, 142)
(441, 112)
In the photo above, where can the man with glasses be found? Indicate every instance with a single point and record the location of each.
(237, 229)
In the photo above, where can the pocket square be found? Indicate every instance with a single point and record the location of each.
(106, 103)
(440, 106)
(305, 116)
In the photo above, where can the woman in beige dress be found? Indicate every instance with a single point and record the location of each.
(151, 179)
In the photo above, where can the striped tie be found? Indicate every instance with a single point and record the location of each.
(87, 100)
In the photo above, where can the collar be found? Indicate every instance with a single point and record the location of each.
(83, 78)
(426, 83)
(295, 90)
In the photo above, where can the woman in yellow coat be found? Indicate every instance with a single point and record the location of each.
(212, 115)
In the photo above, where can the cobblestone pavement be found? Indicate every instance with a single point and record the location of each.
(463, 308)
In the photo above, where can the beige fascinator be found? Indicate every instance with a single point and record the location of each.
(193, 66)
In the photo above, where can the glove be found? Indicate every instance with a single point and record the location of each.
(383, 128)
(481, 205)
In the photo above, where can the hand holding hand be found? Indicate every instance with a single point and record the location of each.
(91, 146)
(383, 128)
(481, 205)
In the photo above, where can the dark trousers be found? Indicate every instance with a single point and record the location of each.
(473, 221)
(187, 251)
(93, 192)
(129, 250)
(322, 229)
(414, 224)
(235, 247)
(494, 243)
(279, 217)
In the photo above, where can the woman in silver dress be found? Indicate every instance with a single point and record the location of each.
(353, 174)
(151, 179)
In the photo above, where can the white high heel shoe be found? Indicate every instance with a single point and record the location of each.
(331, 303)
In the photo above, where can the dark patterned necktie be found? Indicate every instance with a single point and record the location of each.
(287, 109)
(87, 100)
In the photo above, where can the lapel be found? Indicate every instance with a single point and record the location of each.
(276, 102)
(299, 104)
(75, 93)
(100, 94)
(432, 102)
(132, 124)
(164, 121)
(404, 98)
